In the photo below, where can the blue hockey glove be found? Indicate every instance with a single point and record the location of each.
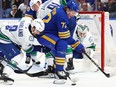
(80, 48)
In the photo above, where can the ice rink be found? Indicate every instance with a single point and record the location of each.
(88, 79)
(85, 79)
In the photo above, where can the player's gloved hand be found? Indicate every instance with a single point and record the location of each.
(80, 48)
(45, 49)
(40, 48)
(88, 51)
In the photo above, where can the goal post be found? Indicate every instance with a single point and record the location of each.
(102, 27)
(99, 26)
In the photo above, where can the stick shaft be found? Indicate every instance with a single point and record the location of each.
(107, 75)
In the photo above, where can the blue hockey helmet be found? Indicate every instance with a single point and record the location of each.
(73, 5)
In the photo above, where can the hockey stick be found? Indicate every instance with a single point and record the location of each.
(106, 74)
(24, 71)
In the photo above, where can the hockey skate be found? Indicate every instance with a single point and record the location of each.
(60, 77)
(70, 66)
(4, 79)
(48, 73)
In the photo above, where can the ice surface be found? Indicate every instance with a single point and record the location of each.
(87, 79)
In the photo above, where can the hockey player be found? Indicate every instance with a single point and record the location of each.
(32, 8)
(56, 36)
(85, 37)
(45, 9)
(12, 36)
(30, 15)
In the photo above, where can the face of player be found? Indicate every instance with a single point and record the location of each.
(70, 13)
(81, 35)
(35, 7)
(34, 31)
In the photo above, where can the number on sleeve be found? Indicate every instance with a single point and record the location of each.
(52, 5)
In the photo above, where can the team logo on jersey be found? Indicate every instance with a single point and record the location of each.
(31, 38)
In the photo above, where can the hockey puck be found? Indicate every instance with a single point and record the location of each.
(73, 84)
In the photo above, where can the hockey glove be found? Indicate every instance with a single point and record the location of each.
(80, 48)
(36, 48)
(45, 49)
(92, 47)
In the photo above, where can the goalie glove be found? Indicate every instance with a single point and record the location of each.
(90, 51)
(92, 47)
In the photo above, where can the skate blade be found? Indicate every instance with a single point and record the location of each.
(59, 81)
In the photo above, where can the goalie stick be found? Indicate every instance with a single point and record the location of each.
(24, 71)
(106, 74)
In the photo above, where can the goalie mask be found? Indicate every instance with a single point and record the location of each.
(82, 31)
(38, 24)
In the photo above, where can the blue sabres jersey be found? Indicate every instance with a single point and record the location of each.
(72, 25)
(58, 20)
(30, 13)
(57, 23)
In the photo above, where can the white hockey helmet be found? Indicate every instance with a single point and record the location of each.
(82, 30)
(38, 24)
(32, 2)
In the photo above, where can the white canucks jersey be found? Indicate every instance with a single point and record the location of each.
(87, 41)
(47, 7)
(25, 37)
(8, 34)
(18, 34)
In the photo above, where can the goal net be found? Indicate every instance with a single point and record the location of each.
(99, 26)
